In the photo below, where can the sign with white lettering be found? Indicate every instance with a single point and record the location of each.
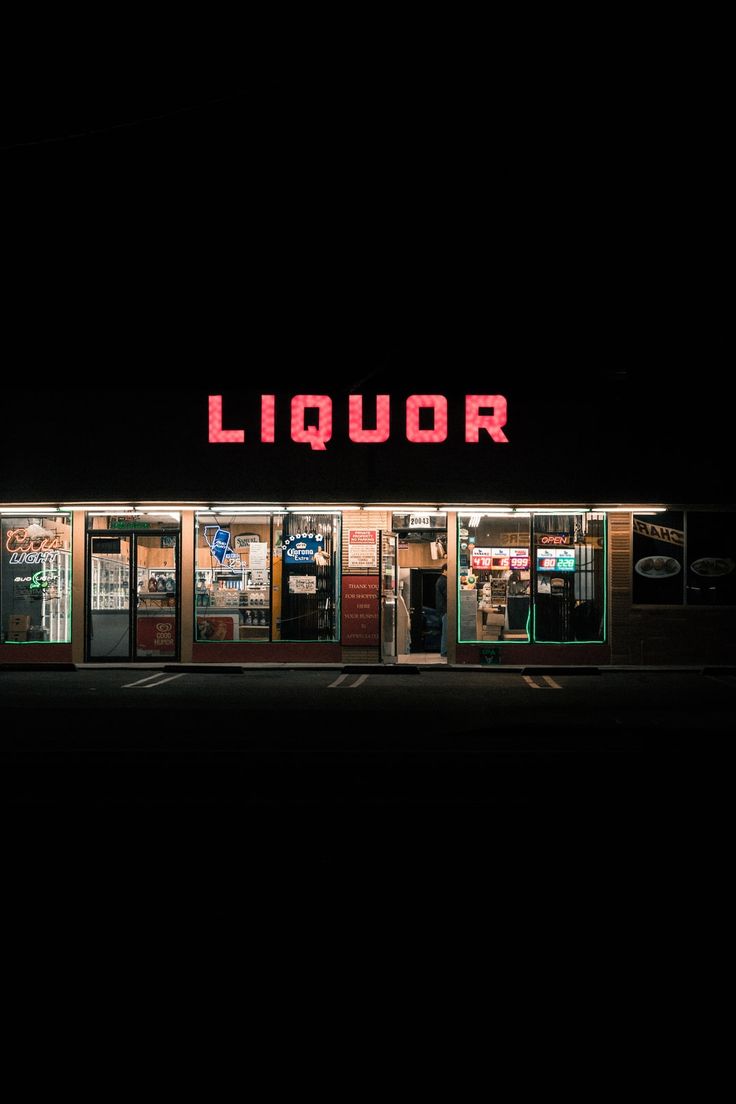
(360, 610)
(555, 559)
(303, 548)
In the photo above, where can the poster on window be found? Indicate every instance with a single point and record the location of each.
(658, 561)
(258, 556)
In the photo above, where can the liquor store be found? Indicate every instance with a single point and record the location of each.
(435, 533)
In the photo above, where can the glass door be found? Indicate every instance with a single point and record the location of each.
(109, 601)
(133, 596)
(156, 615)
(389, 578)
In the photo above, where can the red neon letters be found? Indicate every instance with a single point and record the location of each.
(315, 429)
(19, 541)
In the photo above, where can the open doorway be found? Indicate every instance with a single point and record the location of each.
(421, 556)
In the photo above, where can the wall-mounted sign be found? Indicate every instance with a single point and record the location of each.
(418, 520)
(362, 548)
(360, 610)
(555, 559)
(128, 523)
(312, 420)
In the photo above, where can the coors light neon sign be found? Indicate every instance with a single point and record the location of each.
(483, 413)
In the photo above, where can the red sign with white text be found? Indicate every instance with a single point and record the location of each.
(157, 636)
(360, 610)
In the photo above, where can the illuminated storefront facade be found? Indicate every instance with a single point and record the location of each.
(350, 576)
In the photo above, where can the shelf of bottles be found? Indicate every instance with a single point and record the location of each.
(56, 602)
(110, 584)
(223, 591)
(156, 588)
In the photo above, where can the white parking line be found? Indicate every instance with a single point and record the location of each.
(551, 684)
(338, 683)
(731, 684)
(153, 685)
(148, 678)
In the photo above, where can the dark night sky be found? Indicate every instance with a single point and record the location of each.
(296, 236)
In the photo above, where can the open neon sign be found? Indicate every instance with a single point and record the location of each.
(483, 413)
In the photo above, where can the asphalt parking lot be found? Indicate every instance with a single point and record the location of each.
(121, 713)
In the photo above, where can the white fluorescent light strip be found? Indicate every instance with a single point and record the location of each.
(469, 511)
(20, 511)
(125, 508)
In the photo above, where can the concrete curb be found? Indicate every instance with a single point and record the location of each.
(371, 669)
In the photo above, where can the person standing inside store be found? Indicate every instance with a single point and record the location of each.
(440, 603)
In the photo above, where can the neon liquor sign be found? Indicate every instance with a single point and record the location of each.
(486, 413)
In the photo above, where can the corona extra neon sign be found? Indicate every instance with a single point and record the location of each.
(483, 413)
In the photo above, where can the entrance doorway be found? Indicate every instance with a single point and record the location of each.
(133, 595)
(420, 556)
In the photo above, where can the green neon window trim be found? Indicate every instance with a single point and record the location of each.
(604, 639)
(68, 554)
(487, 643)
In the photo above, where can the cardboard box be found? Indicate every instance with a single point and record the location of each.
(17, 637)
(19, 623)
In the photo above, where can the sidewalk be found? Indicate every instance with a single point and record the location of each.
(380, 668)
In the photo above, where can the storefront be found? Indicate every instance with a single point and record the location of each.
(259, 575)
(355, 584)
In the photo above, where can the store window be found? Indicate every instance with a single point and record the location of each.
(233, 583)
(494, 578)
(658, 559)
(684, 556)
(307, 564)
(524, 579)
(711, 558)
(267, 577)
(569, 593)
(36, 579)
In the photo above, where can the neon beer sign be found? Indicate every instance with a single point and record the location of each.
(24, 548)
(483, 414)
